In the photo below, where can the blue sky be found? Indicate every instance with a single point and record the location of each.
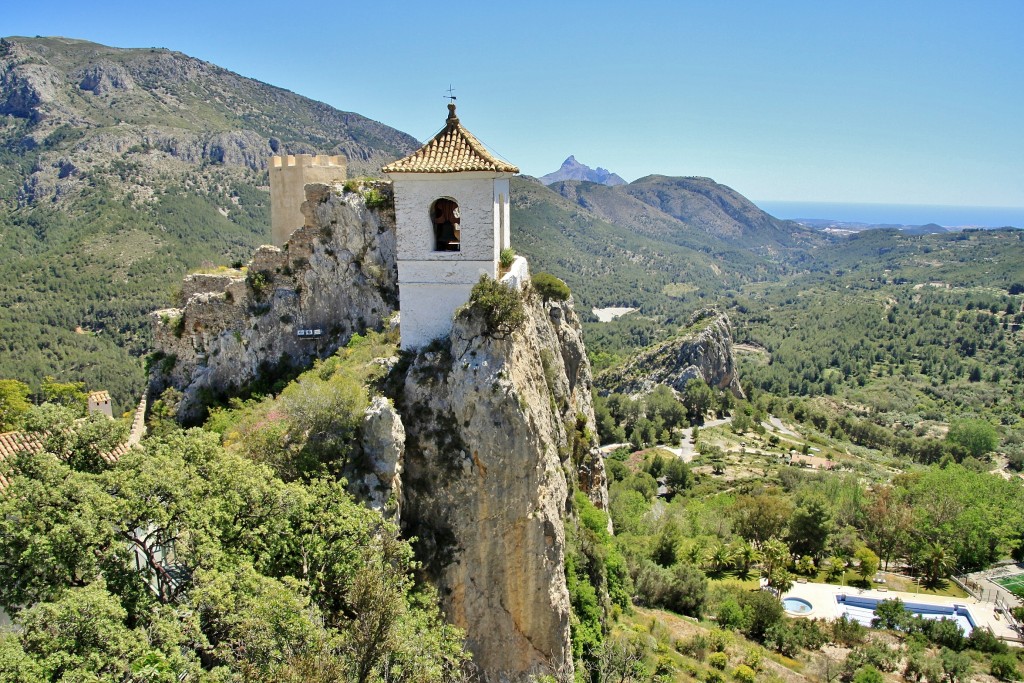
(891, 102)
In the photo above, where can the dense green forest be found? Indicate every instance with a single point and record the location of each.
(904, 332)
(202, 559)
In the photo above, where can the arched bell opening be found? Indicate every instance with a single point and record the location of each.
(444, 214)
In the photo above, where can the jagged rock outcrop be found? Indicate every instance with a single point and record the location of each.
(704, 351)
(105, 77)
(383, 444)
(335, 276)
(497, 427)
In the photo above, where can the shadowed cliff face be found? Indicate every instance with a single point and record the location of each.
(493, 448)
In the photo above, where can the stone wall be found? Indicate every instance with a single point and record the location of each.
(289, 176)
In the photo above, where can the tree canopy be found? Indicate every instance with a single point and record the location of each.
(242, 574)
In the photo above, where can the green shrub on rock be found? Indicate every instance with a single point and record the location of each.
(550, 287)
(501, 306)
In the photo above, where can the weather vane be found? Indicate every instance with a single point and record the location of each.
(450, 95)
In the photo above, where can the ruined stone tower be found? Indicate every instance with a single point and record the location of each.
(452, 217)
(288, 176)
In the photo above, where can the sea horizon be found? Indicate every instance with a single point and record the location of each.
(898, 214)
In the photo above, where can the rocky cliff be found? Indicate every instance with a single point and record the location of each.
(335, 276)
(702, 351)
(499, 429)
(485, 437)
(157, 100)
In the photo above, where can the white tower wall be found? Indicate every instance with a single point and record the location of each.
(433, 284)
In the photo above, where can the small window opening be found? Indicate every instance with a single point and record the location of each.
(447, 232)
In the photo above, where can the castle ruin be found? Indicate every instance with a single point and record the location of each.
(289, 175)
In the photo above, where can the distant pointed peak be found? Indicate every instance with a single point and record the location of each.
(572, 169)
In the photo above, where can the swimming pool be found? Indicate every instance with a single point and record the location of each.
(863, 610)
(796, 606)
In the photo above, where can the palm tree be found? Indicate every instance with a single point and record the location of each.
(721, 557)
(744, 555)
(935, 563)
(774, 555)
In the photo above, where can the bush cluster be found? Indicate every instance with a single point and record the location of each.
(550, 287)
(500, 305)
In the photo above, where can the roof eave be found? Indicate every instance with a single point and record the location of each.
(447, 175)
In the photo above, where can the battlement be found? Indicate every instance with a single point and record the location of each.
(289, 175)
(308, 160)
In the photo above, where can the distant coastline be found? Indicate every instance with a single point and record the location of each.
(899, 214)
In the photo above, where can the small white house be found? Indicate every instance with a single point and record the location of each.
(452, 221)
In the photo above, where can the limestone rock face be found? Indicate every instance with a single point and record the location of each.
(383, 445)
(105, 77)
(336, 275)
(492, 442)
(477, 454)
(704, 352)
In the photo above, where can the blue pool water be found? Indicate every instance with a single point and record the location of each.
(863, 610)
(796, 605)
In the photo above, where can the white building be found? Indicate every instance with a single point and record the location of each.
(452, 217)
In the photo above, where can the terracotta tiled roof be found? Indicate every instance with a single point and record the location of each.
(452, 150)
(100, 397)
(12, 443)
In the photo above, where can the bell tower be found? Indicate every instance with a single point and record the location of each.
(452, 221)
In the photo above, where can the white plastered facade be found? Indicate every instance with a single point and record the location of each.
(433, 284)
